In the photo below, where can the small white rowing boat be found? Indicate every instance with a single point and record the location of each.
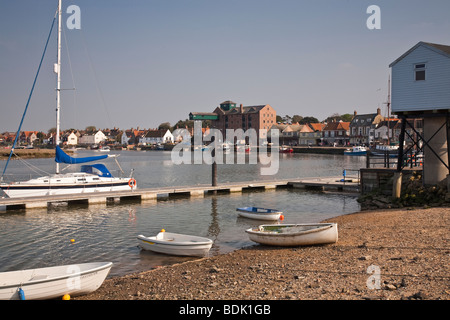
(294, 234)
(260, 213)
(176, 244)
(53, 282)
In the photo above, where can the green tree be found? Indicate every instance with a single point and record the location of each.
(183, 124)
(338, 117)
(296, 118)
(307, 120)
(164, 126)
(91, 129)
(347, 117)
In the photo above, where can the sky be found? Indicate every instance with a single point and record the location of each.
(139, 63)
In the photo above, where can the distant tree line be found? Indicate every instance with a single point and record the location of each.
(182, 124)
(336, 117)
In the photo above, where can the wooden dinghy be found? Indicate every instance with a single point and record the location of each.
(176, 244)
(53, 282)
(260, 213)
(294, 234)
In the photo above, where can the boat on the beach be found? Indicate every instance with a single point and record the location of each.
(259, 213)
(356, 151)
(176, 244)
(294, 234)
(53, 282)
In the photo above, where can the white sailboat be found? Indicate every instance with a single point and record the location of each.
(92, 178)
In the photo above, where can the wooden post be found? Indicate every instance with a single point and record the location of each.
(448, 144)
(214, 164)
(397, 185)
(401, 141)
(448, 156)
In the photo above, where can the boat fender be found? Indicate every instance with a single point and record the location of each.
(132, 183)
(21, 294)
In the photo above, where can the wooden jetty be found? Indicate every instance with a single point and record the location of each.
(153, 194)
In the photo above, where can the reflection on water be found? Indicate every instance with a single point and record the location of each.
(38, 238)
(155, 168)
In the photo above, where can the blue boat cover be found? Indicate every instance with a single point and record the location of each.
(99, 169)
(62, 157)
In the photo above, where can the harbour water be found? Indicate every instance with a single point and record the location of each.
(42, 237)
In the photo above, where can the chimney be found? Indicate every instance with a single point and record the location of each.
(242, 108)
(355, 113)
(378, 111)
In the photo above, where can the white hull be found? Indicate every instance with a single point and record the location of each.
(176, 244)
(260, 216)
(71, 183)
(259, 213)
(294, 234)
(54, 282)
(356, 151)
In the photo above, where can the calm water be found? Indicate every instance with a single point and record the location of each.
(38, 238)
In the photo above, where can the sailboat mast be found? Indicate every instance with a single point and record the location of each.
(58, 81)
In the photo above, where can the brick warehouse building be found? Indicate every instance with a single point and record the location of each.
(229, 116)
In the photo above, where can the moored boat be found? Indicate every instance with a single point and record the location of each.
(53, 282)
(176, 244)
(294, 234)
(90, 178)
(260, 213)
(286, 149)
(105, 149)
(356, 151)
(226, 147)
(383, 150)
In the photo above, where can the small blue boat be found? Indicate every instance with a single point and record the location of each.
(356, 151)
(260, 213)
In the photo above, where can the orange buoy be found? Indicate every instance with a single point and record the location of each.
(281, 217)
(131, 183)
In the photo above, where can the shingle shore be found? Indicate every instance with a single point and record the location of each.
(388, 254)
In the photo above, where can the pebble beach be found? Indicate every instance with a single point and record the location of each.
(380, 255)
